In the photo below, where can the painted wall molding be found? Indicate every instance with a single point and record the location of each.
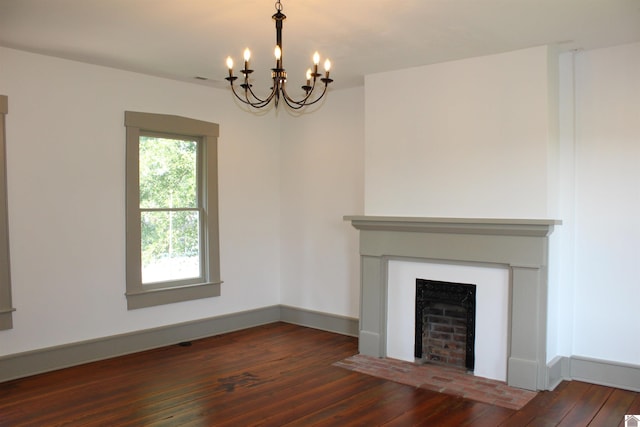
(63, 356)
(595, 371)
(612, 374)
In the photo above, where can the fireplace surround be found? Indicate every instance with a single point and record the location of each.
(519, 244)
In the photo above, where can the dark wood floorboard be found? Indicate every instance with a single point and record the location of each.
(537, 407)
(586, 409)
(275, 375)
(614, 409)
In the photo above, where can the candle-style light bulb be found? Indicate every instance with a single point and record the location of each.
(247, 56)
(316, 61)
(327, 67)
(230, 66)
(278, 54)
(308, 76)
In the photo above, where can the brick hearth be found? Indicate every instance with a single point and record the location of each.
(441, 379)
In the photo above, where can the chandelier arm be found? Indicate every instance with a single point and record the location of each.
(241, 99)
(303, 102)
(245, 100)
(257, 102)
(324, 90)
(293, 104)
(262, 102)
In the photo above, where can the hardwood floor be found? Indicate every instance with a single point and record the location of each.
(275, 375)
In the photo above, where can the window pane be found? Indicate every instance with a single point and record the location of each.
(168, 173)
(170, 245)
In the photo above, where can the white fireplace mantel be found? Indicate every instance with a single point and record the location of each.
(519, 244)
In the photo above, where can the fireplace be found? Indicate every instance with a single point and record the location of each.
(445, 317)
(519, 245)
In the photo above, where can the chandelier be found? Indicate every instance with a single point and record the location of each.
(279, 77)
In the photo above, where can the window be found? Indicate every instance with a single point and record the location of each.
(6, 311)
(171, 209)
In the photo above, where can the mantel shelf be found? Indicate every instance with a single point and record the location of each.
(485, 226)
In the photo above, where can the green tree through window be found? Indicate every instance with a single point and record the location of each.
(170, 214)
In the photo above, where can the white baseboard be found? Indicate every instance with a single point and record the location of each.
(613, 374)
(319, 320)
(63, 356)
(557, 371)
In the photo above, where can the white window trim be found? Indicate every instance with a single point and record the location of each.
(139, 295)
(6, 309)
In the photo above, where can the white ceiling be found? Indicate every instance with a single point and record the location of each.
(182, 39)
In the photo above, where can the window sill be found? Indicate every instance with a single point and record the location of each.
(153, 297)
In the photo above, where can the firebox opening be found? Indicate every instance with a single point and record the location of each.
(445, 323)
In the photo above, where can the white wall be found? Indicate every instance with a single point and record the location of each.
(607, 270)
(65, 151)
(322, 173)
(470, 138)
(476, 138)
(466, 138)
